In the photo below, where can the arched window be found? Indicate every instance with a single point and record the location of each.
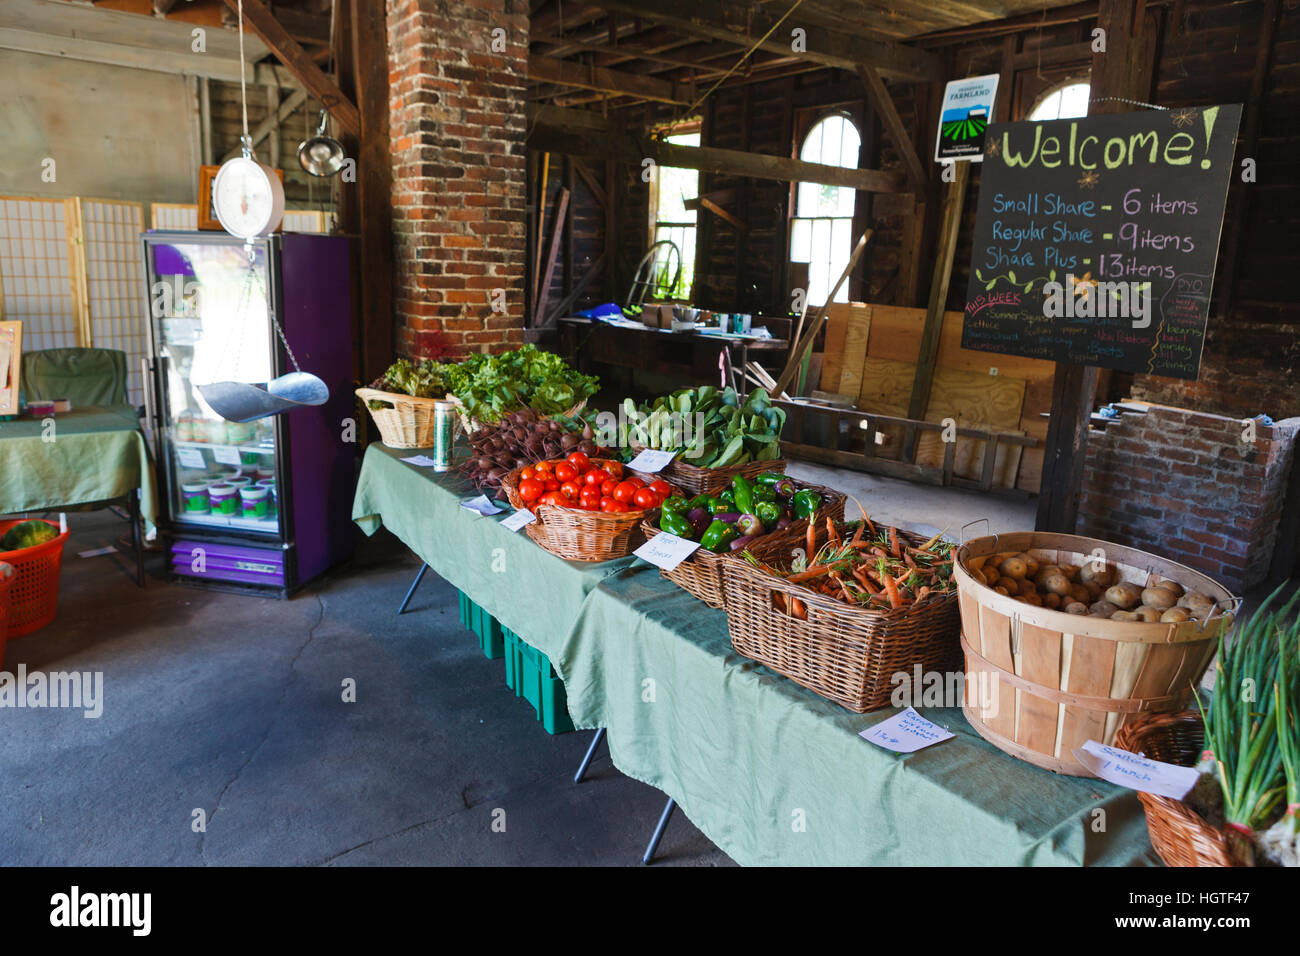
(821, 231)
(1066, 101)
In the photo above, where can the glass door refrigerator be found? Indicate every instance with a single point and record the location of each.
(262, 506)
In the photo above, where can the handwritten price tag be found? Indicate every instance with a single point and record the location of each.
(905, 733)
(651, 461)
(666, 550)
(517, 520)
(481, 506)
(226, 454)
(190, 458)
(1137, 773)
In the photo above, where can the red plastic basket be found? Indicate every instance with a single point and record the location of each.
(6, 583)
(34, 593)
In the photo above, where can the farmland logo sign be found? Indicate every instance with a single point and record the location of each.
(966, 113)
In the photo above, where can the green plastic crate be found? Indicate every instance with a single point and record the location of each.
(530, 675)
(484, 625)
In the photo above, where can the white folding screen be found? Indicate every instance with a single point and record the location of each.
(174, 215)
(35, 271)
(114, 283)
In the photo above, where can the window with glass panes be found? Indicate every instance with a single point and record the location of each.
(821, 230)
(669, 217)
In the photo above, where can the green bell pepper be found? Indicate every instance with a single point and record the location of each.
(763, 493)
(674, 522)
(768, 512)
(717, 506)
(805, 503)
(729, 497)
(718, 537)
(676, 503)
(768, 478)
(699, 501)
(742, 493)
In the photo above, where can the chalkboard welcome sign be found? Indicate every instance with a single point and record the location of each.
(1096, 238)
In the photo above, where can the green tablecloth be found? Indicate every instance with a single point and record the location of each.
(95, 454)
(772, 773)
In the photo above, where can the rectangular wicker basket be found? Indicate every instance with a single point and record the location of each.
(701, 573)
(694, 480)
(845, 653)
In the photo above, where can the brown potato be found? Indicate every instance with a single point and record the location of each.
(975, 565)
(1196, 602)
(1014, 567)
(1071, 571)
(1052, 600)
(1032, 564)
(1095, 590)
(1159, 598)
(1091, 573)
(1011, 585)
(1080, 594)
(991, 575)
(1170, 585)
(1176, 615)
(1076, 607)
(1102, 609)
(1045, 572)
(1123, 616)
(1000, 589)
(1031, 598)
(1125, 596)
(1148, 614)
(1058, 584)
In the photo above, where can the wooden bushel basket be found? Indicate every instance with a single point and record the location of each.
(1040, 683)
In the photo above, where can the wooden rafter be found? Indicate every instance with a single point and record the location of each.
(884, 105)
(298, 62)
(567, 73)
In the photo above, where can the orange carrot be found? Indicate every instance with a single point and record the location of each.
(812, 537)
(893, 540)
(832, 537)
(891, 588)
(816, 571)
(797, 608)
(922, 594)
(857, 535)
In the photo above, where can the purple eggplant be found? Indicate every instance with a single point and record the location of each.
(749, 526)
(744, 541)
(727, 517)
(700, 520)
(783, 524)
(784, 488)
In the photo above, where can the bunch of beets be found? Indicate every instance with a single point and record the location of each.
(519, 439)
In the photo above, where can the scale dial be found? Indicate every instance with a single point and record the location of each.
(248, 198)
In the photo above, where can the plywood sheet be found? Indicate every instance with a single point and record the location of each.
(856, 334)
(968, 458)
(837, 323)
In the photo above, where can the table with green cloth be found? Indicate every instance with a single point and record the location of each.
(769, 771)
(86, 456)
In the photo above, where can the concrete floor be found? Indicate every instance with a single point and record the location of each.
(232, 705)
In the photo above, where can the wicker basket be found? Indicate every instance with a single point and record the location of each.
(701, 573)
(846, 654)
(694, 480)
(407, 424)
(1179, 834)
(577, 535)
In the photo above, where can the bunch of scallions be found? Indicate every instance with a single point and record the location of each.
(1253, 731)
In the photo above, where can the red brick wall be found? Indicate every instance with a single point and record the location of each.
(459, 187)
(1182, 485)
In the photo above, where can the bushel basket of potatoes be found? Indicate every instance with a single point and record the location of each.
(1066, 638)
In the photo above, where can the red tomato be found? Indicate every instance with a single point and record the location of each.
(614, 468)
(607, 503)
(526, 472)
(530, 489)
(620, 508)
(595, 477)
(607, 487)
(550, 484)
(625, 491)
(589, 504)
(565, 472)
(550, 498)
(579, 461)
(570, 490)
(645, 498)
(634, 481)
(585, 497)
(661, 488)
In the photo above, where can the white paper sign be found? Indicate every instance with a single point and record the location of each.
(651, 461)
(226, 454)
(517, 520)
(905, 733)
(1137, 773)
(481, 505)
(423, 461)
(190, 458)
(666, 550)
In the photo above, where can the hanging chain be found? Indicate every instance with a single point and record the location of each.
(249, 278)
(1121, 99)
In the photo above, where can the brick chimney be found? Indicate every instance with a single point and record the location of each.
(457, 71)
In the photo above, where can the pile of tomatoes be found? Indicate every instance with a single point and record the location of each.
(578, 482)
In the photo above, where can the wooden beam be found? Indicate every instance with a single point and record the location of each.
(588, 138)
(300, 64)
(567, 73)
(928, 356)
(369, 28)
(552, 253)
(264, 128)
(893, 123)
(711, 206)
(743, 26)
(588, 177)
